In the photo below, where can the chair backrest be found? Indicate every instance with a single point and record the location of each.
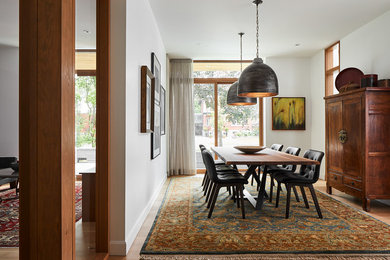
(210, 165)
(277, 147)
(202, 147)
(293, 151)
(5, 162)
(312, 172)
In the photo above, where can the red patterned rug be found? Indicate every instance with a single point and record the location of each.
(9, 216)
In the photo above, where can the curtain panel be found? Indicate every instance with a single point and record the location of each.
(181, 134)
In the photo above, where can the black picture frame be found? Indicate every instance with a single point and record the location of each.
(162, 111)
(156, 135)
(156, 70)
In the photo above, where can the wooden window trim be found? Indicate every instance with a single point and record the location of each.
(329, 51)
(220, 81)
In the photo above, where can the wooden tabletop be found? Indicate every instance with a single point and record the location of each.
(268, 156)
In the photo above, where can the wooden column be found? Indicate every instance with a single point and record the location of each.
(46, 129)
(102, 124)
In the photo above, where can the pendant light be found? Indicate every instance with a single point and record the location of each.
(232, 98)
(258, 79)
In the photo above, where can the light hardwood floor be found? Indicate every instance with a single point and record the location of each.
(85, 231)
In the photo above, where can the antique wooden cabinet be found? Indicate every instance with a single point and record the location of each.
(358, 143)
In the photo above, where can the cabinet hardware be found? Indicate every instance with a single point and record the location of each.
(343, 137)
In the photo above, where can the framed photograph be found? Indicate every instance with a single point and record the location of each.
(156, 70)
(147, 100)
(288, 113)
(156, 135)
(162, 108)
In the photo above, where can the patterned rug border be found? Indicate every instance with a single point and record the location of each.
(316, 254)
(265, 257)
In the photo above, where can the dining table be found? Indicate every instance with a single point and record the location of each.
(265, 157)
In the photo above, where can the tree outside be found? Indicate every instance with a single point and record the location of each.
(85, 97)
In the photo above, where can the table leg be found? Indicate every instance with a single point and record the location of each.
(260, 197)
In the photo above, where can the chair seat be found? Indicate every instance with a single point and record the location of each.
(223, 167)
(231, 178)
(288, 177)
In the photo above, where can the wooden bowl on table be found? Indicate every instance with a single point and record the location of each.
(250, 149)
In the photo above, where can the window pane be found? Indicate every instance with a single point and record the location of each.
(204, 119)
(237, 125)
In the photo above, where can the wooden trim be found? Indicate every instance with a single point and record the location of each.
(222, 61)
(102, 125)
(85, 50)
(86, 72)
(46, 129)
(214, 80)
(216, 114)
(330, 71)
(261, 122)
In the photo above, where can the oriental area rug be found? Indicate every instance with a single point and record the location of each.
(181, 228)
(9, 216)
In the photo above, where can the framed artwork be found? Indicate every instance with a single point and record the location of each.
(288, 113)
(156, 70)
(156, 135)
(147, 100)
(162, 107)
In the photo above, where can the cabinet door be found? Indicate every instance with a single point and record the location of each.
(334, 125)
(352, 124)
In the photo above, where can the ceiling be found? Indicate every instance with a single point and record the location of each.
(208, 29)
(85, 23)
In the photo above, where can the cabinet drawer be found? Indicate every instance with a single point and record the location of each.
(334, 178)
(353, 183)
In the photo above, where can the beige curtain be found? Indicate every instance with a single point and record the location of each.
(181, 135)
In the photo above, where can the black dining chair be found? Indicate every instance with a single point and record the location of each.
(271, 169)
(233, 179)
(307, 176)
(276, 147)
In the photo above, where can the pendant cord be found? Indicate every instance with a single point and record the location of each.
(241, 34)
(257, 30)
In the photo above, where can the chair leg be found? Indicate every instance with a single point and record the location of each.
(288, 200)
(314, 196)
(213, 200)
(211, 196)
(238, 195)
(304, 196)
(234, 194)
(296, 193)
(278, 194)
(252, 180)
(204, 179)
(208, 182)
(209, 191)
(229, 190)
(271, 189)
(242, 200)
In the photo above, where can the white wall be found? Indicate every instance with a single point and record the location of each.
(9, 101)
(135, 179)
(294, 81)
(317, 92)
(367, 48)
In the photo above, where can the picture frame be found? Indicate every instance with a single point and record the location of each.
(163, 108)
(147, 100)
(156, 70)
(288, 113)
(156, 135)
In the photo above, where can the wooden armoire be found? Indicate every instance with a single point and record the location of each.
(358, 143)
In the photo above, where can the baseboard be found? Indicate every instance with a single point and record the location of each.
(141, 219)
(123, 247)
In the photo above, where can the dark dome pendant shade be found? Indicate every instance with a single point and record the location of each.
(258, 79)
(234, 100)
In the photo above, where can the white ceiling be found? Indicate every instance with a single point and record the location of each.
(85, 23)
(208, 29)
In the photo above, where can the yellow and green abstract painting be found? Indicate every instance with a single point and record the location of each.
(288, 113)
